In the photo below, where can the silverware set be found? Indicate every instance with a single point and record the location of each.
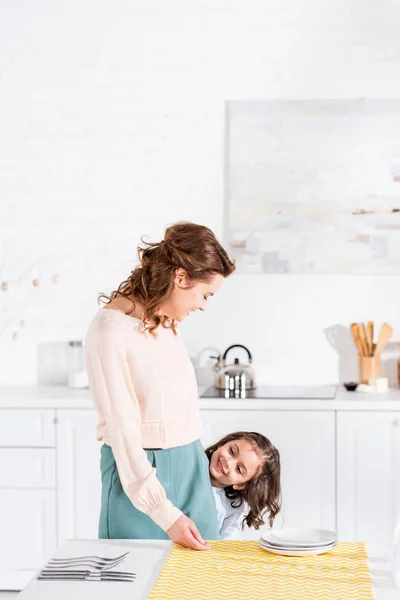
(85, 568)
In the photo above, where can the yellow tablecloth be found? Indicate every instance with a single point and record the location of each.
(243, 570)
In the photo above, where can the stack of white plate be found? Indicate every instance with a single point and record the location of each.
(298, 542)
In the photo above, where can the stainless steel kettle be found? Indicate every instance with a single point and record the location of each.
(235, 376)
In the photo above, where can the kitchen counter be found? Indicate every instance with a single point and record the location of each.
(146, 559)
(64, 397)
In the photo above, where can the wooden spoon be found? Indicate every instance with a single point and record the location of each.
(384, 336)
(356, 337)
(363, 340)
(370, 337)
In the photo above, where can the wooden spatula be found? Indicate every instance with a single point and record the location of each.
(363, 339)
(370, 337)
(356, 337)
(384, 336)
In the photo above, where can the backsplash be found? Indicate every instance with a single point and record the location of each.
(297, 329)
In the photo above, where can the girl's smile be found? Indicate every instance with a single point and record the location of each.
(219, 466)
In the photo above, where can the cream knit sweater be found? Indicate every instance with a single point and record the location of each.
(145, 393)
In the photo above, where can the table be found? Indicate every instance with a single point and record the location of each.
(146, 558)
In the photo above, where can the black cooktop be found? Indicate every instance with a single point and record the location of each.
(277, 392)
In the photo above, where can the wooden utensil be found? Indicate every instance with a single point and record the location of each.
(384, 336)
(356, 337)
(362, 336)
(370, 337)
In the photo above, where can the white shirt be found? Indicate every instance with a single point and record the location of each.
(229, 519)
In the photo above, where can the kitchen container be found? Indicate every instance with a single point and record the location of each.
(77, 374)
(370, 368)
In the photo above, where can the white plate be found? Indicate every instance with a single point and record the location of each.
(299, 538)
(295, 546)
(296, 549)
(297, 552)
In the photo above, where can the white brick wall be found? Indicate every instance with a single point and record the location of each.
(111, 126)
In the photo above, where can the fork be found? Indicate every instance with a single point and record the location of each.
(89, 563)
(97, 559)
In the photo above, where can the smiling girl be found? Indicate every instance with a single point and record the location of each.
(245, 477)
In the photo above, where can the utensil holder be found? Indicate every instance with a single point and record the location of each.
(370, 368)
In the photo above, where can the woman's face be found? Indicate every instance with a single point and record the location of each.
(186, 297)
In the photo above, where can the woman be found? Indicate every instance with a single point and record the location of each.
(155, 481)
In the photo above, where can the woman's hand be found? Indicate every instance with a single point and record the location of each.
(185, 533)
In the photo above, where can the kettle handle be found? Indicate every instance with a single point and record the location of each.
(237, 346)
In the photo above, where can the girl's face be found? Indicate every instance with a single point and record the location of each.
(234, 464)
(185, 298)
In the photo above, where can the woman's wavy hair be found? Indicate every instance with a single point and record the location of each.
(186, 245)
(263, 492)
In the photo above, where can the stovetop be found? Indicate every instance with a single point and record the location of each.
(277, 392)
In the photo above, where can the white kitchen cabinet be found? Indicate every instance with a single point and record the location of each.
(27, 521)
(78, 474)
(306, 442)
(27, 468)
(368, 485)
(28, 533)
(23, 427)
(28, 527)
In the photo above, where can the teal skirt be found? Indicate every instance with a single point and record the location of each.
(184, 474)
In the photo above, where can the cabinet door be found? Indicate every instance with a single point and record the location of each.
(26, 428)
(28, 528)
(27, 512)
(78, 474)
(27, 468)
(306, 442)
(368, 455)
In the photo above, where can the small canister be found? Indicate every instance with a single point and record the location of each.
(77, 374)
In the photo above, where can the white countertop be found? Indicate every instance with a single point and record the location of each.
(51, 397)
(146, 559)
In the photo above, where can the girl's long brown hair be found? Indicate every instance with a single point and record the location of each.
(263, 492)
(191, 247)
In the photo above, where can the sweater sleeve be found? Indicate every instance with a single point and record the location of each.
(111, 382)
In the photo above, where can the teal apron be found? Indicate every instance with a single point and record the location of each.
(184, 474)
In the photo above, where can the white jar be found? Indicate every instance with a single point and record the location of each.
(77, 374)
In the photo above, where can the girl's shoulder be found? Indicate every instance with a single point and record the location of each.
(230, 518)
(224, 503)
